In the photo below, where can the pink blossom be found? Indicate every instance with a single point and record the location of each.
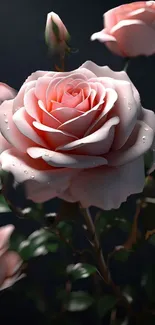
(78, 135)
(10, 261)
(129, 30)
(56, 34)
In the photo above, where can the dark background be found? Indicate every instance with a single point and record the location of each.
(22, 51)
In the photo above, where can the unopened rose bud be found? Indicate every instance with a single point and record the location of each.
(56, 34)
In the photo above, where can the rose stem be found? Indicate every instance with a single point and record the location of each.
(62, 60)
(126, 64)
(133, 235)
(100, 259)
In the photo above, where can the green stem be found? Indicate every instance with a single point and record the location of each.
(127, 64)
(105, 273)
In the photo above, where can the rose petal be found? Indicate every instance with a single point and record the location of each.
(47, 118)
(110, 41)
(103, 37)
(105, 71)
(96, 143)
(5, 233)
(6, 92)
(57, 159)
(19, 99)
(41, 88)
(110, 99)
(12, 261)
(64, 114)
(114, 15)
(9, 129)
(31, 105)
(71, 101)
(129, 33)
(79, 125)
(42, 182)
(25, 126)
(148, 117)
(37, 74)
(145, 14)
(54, 137)
(10, 281)
(4, 145)
(139, 142)
(106, 187)
(126, 109)
(57, 85)
(109, 18)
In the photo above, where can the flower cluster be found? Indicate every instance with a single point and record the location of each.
(82, 135)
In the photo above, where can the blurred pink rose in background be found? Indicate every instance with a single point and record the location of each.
(56, 34)
(6, 93)
(129, 30)
(78, 135)
(10, 261)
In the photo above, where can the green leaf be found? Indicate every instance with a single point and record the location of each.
(3, 205)
(123, 224)
(15, 240)
(26, 251)
(122, 255)
(112, 218)
(65, 229)
(40, 242)
(41, 236)
(104, 219)
(105, 304)
(80, 271)
(79, 301)
(52, 247)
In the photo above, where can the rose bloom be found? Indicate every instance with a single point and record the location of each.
(10, 262)
(129, 29)
(78, 135)
(56, 34)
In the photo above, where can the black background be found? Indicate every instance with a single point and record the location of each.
(22, 51)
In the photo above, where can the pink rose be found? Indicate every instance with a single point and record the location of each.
(78, 135)
(129, 29)
(10, 261)
(6, 93)
(56, 34)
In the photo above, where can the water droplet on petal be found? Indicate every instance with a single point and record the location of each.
(144, 138)
(25, 172)
(129, 105)
(4, 114)
(46, 154)
(32, 177)
(8, 128)
(13, 165)
(6, 121)
(146, 129)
